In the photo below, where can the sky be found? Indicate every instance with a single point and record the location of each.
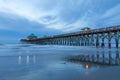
(19, 18)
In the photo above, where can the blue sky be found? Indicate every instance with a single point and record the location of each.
(19, 18)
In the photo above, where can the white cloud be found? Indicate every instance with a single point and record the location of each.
(110, 17)
(40, 11)
(26, 10)
(54, 14)
(112, 12)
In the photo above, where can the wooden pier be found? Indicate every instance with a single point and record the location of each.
(96, 37)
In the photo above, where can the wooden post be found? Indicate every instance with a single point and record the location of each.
(97, 42)
(103, 58)
(102, 44)
(97, 58)
(117, 58)
(109, 40)
(117, 43)
(110, 58)
(82, 42)
(109, 44)
(93, 58)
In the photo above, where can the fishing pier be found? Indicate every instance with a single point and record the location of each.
(96, 37)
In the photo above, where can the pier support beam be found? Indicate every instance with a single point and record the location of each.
(102, 44)
(97, 58)
(117, 43)
(109, 43)
(117, 58)
(97, 42)
(109, 40)
(92, 40)
(82, 42)
(103, 56)
(110, 58)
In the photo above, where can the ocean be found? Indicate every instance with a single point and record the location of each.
(47, 62)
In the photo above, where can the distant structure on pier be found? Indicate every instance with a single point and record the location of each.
(85, 29)
(31, 37)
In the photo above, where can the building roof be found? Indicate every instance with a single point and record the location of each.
(85, 28)
(32, 35)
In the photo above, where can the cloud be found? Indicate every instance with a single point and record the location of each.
(110, 17)
(24, 9)
(52, 14)
(112, 12)
(61, 15)
(18, 18)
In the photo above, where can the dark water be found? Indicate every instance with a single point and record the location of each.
(35, 62)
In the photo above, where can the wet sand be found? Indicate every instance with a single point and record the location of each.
(35, 62)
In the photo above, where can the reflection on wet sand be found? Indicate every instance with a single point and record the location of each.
(44, 63)
(28, 59)
(86, 66)
(19, 60)
(98, 59)
(34, 59)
